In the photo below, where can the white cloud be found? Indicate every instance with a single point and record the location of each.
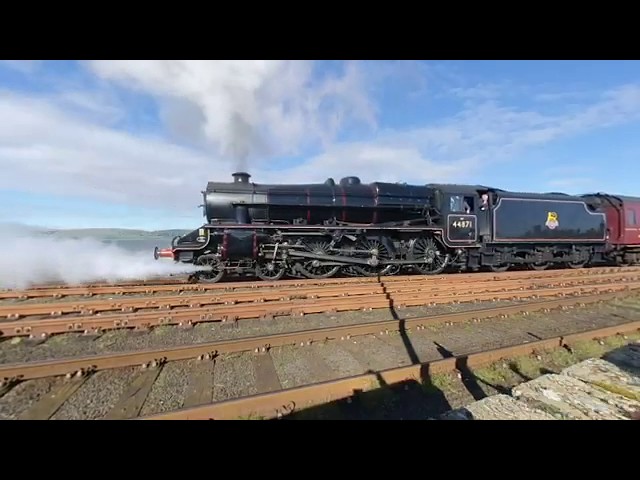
(45, 150)
(370, 162)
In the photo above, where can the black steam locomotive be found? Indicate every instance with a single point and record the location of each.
(318, 230)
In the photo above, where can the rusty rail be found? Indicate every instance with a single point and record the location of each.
(190, 316)
(58, 292)
(283, 402)
(82, 365)
(15, 311)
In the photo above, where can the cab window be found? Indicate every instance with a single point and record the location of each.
(631, 218)
(460, 204)
(456, 203)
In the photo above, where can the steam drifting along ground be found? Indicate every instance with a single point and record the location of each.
(28, 259)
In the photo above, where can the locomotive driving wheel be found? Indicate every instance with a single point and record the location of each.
(429, 259)
(313, 268)
(377, 251)
(213, 275)
(269, 271)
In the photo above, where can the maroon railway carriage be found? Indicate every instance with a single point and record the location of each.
(623, 225)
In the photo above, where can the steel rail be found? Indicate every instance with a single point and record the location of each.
(191, 316)
(59, 292)
(128, 305)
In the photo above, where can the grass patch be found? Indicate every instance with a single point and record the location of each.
(439, 383)
(558, 359)
(527, 367)
(498, 374)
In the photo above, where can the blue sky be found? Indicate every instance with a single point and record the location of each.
(132, 143)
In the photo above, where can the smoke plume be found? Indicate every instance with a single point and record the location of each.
(248, 109)
(28, 259)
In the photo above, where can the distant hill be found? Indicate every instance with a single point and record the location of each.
(114, 233)
(102, 234)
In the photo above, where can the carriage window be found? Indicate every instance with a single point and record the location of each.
(631, 217)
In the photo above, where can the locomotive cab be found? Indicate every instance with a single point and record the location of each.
(464, 212)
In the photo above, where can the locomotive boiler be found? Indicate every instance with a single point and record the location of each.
(348, 202)
(317, 230)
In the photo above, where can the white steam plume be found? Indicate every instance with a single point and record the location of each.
(248, 108)
(28, 260)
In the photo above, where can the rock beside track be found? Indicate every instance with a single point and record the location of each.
(497, 407)
(605, 388)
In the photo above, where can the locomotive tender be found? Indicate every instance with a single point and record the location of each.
(317, 230)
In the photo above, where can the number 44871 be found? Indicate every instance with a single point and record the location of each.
(462, 224)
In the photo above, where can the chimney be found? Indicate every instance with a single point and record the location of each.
(240, 177)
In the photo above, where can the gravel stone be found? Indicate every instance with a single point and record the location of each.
(373, 353)
(24, 395)
(234, 376)
(340, 360)
(290, 367)
(98, 395)
(169, 389)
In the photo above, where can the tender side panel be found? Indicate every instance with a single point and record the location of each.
(540, 220)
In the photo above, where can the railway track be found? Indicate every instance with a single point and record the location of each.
(14, 311)
(277, 404)
(235, 306)
(69, 377)
(147, 288)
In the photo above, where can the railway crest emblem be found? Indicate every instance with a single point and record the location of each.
(552, 220)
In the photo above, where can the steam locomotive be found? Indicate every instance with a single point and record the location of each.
(317, 230)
